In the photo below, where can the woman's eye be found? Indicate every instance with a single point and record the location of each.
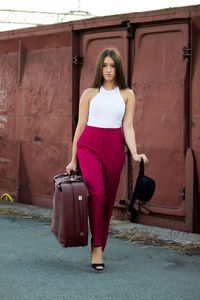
(112, 66)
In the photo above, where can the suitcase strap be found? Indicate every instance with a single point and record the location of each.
(79, 199)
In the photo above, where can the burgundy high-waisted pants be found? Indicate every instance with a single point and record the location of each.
(101, 157)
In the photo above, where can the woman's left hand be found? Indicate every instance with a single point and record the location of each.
(138, 157)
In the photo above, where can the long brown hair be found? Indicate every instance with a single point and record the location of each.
(119, 75)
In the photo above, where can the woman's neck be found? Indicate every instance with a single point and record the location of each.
(109, 85)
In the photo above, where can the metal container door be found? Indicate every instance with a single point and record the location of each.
(90, 46)
(160, 80)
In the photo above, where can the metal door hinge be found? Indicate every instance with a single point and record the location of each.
(77, 60)
(186, 52)
(37, 139)
(130, 28)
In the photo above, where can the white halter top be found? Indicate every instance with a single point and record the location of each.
(106, 109)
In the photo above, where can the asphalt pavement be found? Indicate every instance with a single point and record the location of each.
(33, 265)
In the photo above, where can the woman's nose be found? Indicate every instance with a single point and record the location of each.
(108, 68)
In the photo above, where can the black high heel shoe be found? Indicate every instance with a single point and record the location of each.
(95, 267)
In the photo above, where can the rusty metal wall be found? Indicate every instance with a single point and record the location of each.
(44, 71)
(160, 121)
(8, 142)
(35, 114)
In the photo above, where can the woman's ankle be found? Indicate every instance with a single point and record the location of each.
(97, 249)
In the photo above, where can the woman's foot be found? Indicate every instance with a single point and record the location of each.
(97, 259)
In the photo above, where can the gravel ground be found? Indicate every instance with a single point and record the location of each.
(153, 231)
(132, 232)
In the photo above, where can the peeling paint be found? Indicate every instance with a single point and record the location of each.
(3, 119)
(4, 159)
(3, 96)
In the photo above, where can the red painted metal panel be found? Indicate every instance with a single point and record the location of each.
(8, 167)
(8, 81)
(38, 163)
(36, 111)
(41, 99)
(91, 44)
(8, 143)
(189, 189)
(43, 119)
(159, 83)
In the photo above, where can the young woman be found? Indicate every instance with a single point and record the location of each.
(106, 113)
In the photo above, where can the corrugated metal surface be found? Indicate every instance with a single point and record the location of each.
(39, 95)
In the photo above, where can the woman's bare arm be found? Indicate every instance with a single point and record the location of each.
(82, 121)
(128, 129)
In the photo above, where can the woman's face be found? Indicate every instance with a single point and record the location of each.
(108, 70)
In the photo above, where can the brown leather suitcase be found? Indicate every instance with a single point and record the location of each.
(70, 210)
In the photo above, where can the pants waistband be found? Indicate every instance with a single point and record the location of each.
(102, 129)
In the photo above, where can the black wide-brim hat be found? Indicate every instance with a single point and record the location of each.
(144, 188)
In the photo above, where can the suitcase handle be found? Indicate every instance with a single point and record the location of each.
(72, 173)
(60, 176)
(66, 179)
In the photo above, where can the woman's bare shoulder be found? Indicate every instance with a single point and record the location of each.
(127, 94)
(90, 91)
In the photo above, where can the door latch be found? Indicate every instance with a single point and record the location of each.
(186, 52)
(77, 60)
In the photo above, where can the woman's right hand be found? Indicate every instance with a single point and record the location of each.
(72, 166)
